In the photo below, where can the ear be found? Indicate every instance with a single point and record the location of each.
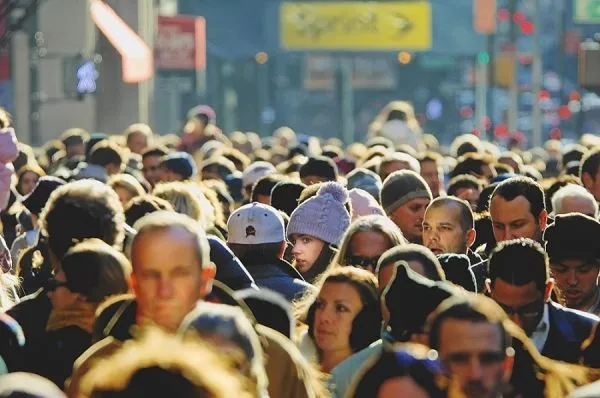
(587, 180)
(471, 235)
(133, 283)
(543, 220)
(488, 286)
(548, 289)
(282, 248)
(208, 275)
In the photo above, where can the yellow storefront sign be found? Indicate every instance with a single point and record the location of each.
(355, 26)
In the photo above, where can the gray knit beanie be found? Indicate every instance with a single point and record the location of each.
(402, 186)
(322, 216)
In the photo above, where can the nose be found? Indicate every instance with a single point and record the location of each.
(475, 371)
(572, 278)
(165, 288)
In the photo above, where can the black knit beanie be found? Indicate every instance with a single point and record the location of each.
(285, 194)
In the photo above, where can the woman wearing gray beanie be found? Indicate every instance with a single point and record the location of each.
(316, 227)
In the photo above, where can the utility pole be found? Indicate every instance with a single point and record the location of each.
(536, 78)
(513, 91)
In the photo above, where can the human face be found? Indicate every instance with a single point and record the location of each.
(312, 180)
(442, 232)
(365, 248)
(578, 205)
(166, 175)
(523, 304)
(168, 278)
(28, 182)
(431, 173)
(577, 280)
(150, 169)
(401, 387)
(513, 219)
(473, 354)
(306, 250)
(60, 295)
(471, 195)
(592, 184)
(137, 142)
(409, 218)
(124, 195)
(336, 307)
(389, 167)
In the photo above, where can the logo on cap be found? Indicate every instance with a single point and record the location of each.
(250, 231)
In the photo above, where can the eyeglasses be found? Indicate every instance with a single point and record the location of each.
(362, 262)
(527, 311)
(52, 284)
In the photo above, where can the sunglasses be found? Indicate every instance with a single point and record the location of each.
(362, 262)
(52, 284)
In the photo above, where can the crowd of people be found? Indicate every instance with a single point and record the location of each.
(232, 265)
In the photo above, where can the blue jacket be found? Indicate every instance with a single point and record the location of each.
(568, 329)
(230, 269)
(278, 275)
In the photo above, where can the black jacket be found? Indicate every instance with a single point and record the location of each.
(230, 269)
(281, 277)
(479, 268)
(568, 330)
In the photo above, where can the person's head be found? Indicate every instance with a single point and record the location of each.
(574, 254)
(473, 344)
(318, 221)
(318, 169)
(397, 161)
(366, 239)
(141, 205)
(448, 226)
(466, 187)
(589, 172)
(157, 364)
(518, 209)
(432, 172)
(512, 160)
(90, 272)
(261, 191)
(126, 187)
(476, 165)
(574, 199)
(343, 313)
(364, 204)
(138, 137)
(177, 166)
(419, 258)
(366, 180)
(285, 194)
(27, 178)
(74, 140)
(255, 233)
(216, 168)
(519, 281)
(229, 328)
(81, 210)
(108, 155)
(37, 199)
(253, 172)
(181, 197)
(172, 271)
(404, 197)
(403, 370)
(151, 162)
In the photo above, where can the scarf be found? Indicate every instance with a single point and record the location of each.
(81, 314)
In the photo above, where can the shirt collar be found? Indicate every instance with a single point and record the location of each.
(540, 335)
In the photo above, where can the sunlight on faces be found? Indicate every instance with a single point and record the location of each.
(168, 278)
(28, 182)
(513, 219)
(442, 232)
(137, 142)
(306, 251)
(409, 218)
(473, 354)
(470, 195)
(368, 245)
(592, 184)
(150, 168)
(124, 195)
(431, 173)
(577, 280)
(337, 305)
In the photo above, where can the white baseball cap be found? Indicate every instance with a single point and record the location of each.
(255, 224)
(255, 171)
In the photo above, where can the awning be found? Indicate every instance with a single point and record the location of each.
(137, 61)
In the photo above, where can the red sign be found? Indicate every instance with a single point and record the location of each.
(180, 43)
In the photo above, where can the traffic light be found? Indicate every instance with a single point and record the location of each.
(483, 58)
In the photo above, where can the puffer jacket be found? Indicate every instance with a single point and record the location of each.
(8, 153)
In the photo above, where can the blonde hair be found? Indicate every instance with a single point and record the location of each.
(181, 197)
(373, 223)
(212, 374)
(128, 183)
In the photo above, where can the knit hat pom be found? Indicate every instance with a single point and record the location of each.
(334, 189)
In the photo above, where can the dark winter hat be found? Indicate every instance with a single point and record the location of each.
(320, 166)
(180, 163)
(457, 268)
(402, 186)
(410, 298)
(366, 180)
(285, 194)
(36, 200)
(322, 216)
(573, 236)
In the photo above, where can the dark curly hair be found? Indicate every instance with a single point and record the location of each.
(81, 210)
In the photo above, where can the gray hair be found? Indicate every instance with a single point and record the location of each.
(573, 191)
